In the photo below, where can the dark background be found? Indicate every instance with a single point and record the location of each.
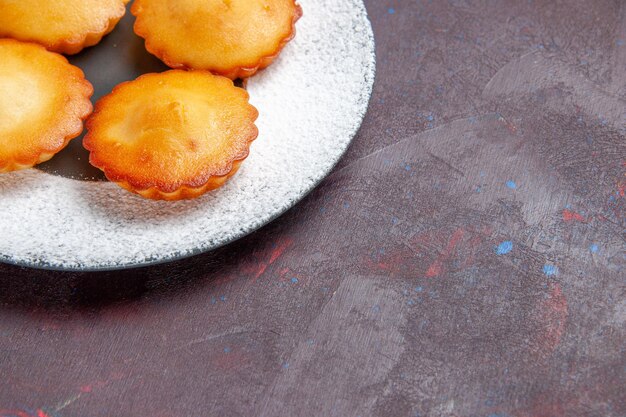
(466, 258)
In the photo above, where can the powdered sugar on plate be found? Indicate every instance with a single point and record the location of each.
(311, 102)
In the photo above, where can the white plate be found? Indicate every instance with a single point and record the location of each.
(311, 103)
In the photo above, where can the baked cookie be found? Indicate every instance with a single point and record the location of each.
(233, 38)
(43, 102)
(64, 26)
(173, 135)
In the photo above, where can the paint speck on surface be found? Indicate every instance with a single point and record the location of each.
(418, 289)
(223, 298)
(430, 118)
(511, 185)
(434, 269)
(594, 248)
(479, 189)
(410, 302)
(504, 247)
(310, 342)
(213, 300)
(376, 308)
(226, 349)
(394, 220)
(346, 205)
(407, 167)
(572, 216)
(550, 270)
(391, 10)
(294, 280)
(286, 365)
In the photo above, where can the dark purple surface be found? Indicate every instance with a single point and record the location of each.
(465, 259)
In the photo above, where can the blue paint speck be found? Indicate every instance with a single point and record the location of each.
(223, 298)
(294, 280)
(479, 189)
(391, 10)
(394, 220)
(619, 42)
(550, 270)
(594, 248)
(213, 300)
(346, 205)
(323, 210)
(504, 247)
(407, 167)
(418, 289)
(310, 342)
(410, 302)
(286, 365)
(227, 350)
(511, 184)
(376, 308)
(430, 118)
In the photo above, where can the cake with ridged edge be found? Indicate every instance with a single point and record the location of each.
(233, 38)
(63, 26)
(172, 136)
(43, 102)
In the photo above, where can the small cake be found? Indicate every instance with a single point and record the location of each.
(43, 102)
(171, 136)
(233, 38)
(64, 26)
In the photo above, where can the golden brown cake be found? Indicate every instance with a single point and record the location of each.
(64, 26)
(233, 38)
(173, 135)
(43, 102)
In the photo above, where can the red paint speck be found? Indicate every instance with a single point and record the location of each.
(19, 413)
(14, 413)
(280, 249)
(553, 314)
(436, 268)
(262, 267)
(570, 216)
(275, 253)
